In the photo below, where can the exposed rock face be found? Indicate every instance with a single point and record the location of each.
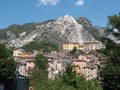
(74, 31)
(10, 35)
(85, 22)
(65, 29)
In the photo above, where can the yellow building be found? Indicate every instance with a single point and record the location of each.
(70, 46)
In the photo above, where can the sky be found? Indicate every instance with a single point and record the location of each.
(26, 11)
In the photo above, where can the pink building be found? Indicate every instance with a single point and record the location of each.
(90, 72)
(30, 65)
(78, 62)
(78, 65)
(84, 57)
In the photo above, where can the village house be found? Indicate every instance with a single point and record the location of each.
(78, 62)
(25, 61)
(52, 64)
(17, 53)
(78, 65)
(37, 52)
(53, 70)
(93, 45)
(102, 61)
(30, 65)
(90, 72)
(85, 57)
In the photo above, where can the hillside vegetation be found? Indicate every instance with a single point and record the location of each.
(44, 46)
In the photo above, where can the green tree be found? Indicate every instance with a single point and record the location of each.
(69, 76)
(111, 72)
(4, 52)
(7, 64)
(41, 62)
(39, 76)
(7, 69)
(74, 50)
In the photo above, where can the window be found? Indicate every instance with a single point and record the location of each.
(29, 62)
(29, 68)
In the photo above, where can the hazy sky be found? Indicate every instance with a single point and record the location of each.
(26, 11)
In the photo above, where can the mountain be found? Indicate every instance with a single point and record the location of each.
(14, 30)
(96, 31)
(65, 29)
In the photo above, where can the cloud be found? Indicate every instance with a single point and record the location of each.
(47, 2)
(79, 2)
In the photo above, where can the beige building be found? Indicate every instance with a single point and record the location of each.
(90, 72)
(54, 67)
(78, 65)
(29, 66)
(18, 52)
(84, 57)
(93, 45)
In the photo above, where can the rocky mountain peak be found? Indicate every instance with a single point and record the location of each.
(85, 22)
(67, 18)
